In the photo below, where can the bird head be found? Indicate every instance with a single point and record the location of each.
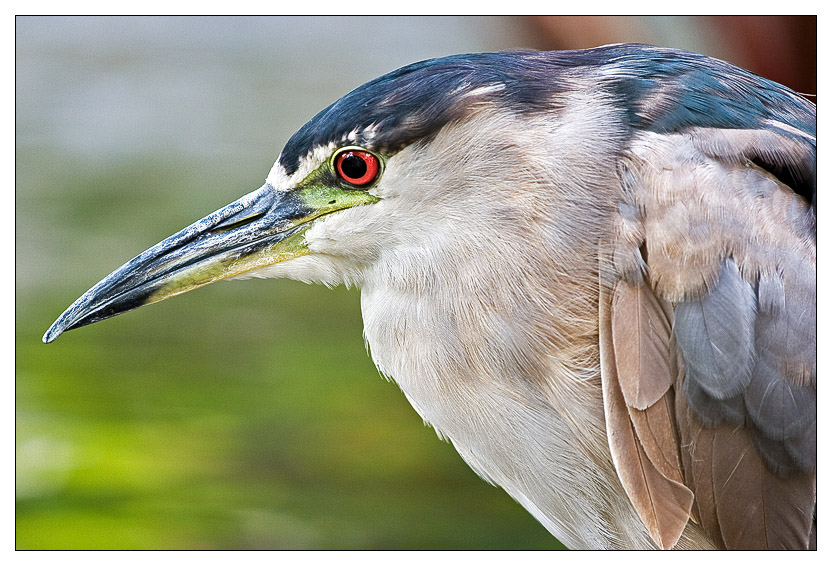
(360, 178)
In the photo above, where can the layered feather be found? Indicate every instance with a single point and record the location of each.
(637, 365)
(731, 248)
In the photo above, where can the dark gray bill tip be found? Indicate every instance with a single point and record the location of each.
(65, 322)
(261, 218)
(62, 324)
(58, 327)
(80, 314)
(54, 331)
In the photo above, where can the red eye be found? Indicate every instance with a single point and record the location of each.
(357, 167)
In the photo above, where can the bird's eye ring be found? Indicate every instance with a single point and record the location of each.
(357, 167)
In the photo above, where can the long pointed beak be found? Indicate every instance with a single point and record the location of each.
(262, 228)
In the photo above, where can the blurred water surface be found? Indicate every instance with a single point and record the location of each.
(245, 414)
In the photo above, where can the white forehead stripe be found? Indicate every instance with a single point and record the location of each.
(283, 182)
(278, 178)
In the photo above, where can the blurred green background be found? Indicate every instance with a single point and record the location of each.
(244, 414)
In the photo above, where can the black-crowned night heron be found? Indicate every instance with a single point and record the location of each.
(592, 271)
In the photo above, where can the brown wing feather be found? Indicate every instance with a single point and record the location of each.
(755, 508)
(655, 428)
(641, 338)
(663, 503)
(645, 362)
(699, 447)
(694, 437)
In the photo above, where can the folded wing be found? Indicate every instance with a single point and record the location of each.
(708, 334)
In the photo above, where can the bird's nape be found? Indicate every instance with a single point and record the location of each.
(592, 271)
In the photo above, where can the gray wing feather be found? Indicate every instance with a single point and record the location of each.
(716, 335)
(804, 448)
(779, 409)
(754, 366)
(713, 411)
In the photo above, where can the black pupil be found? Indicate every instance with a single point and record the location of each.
(353, 166)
